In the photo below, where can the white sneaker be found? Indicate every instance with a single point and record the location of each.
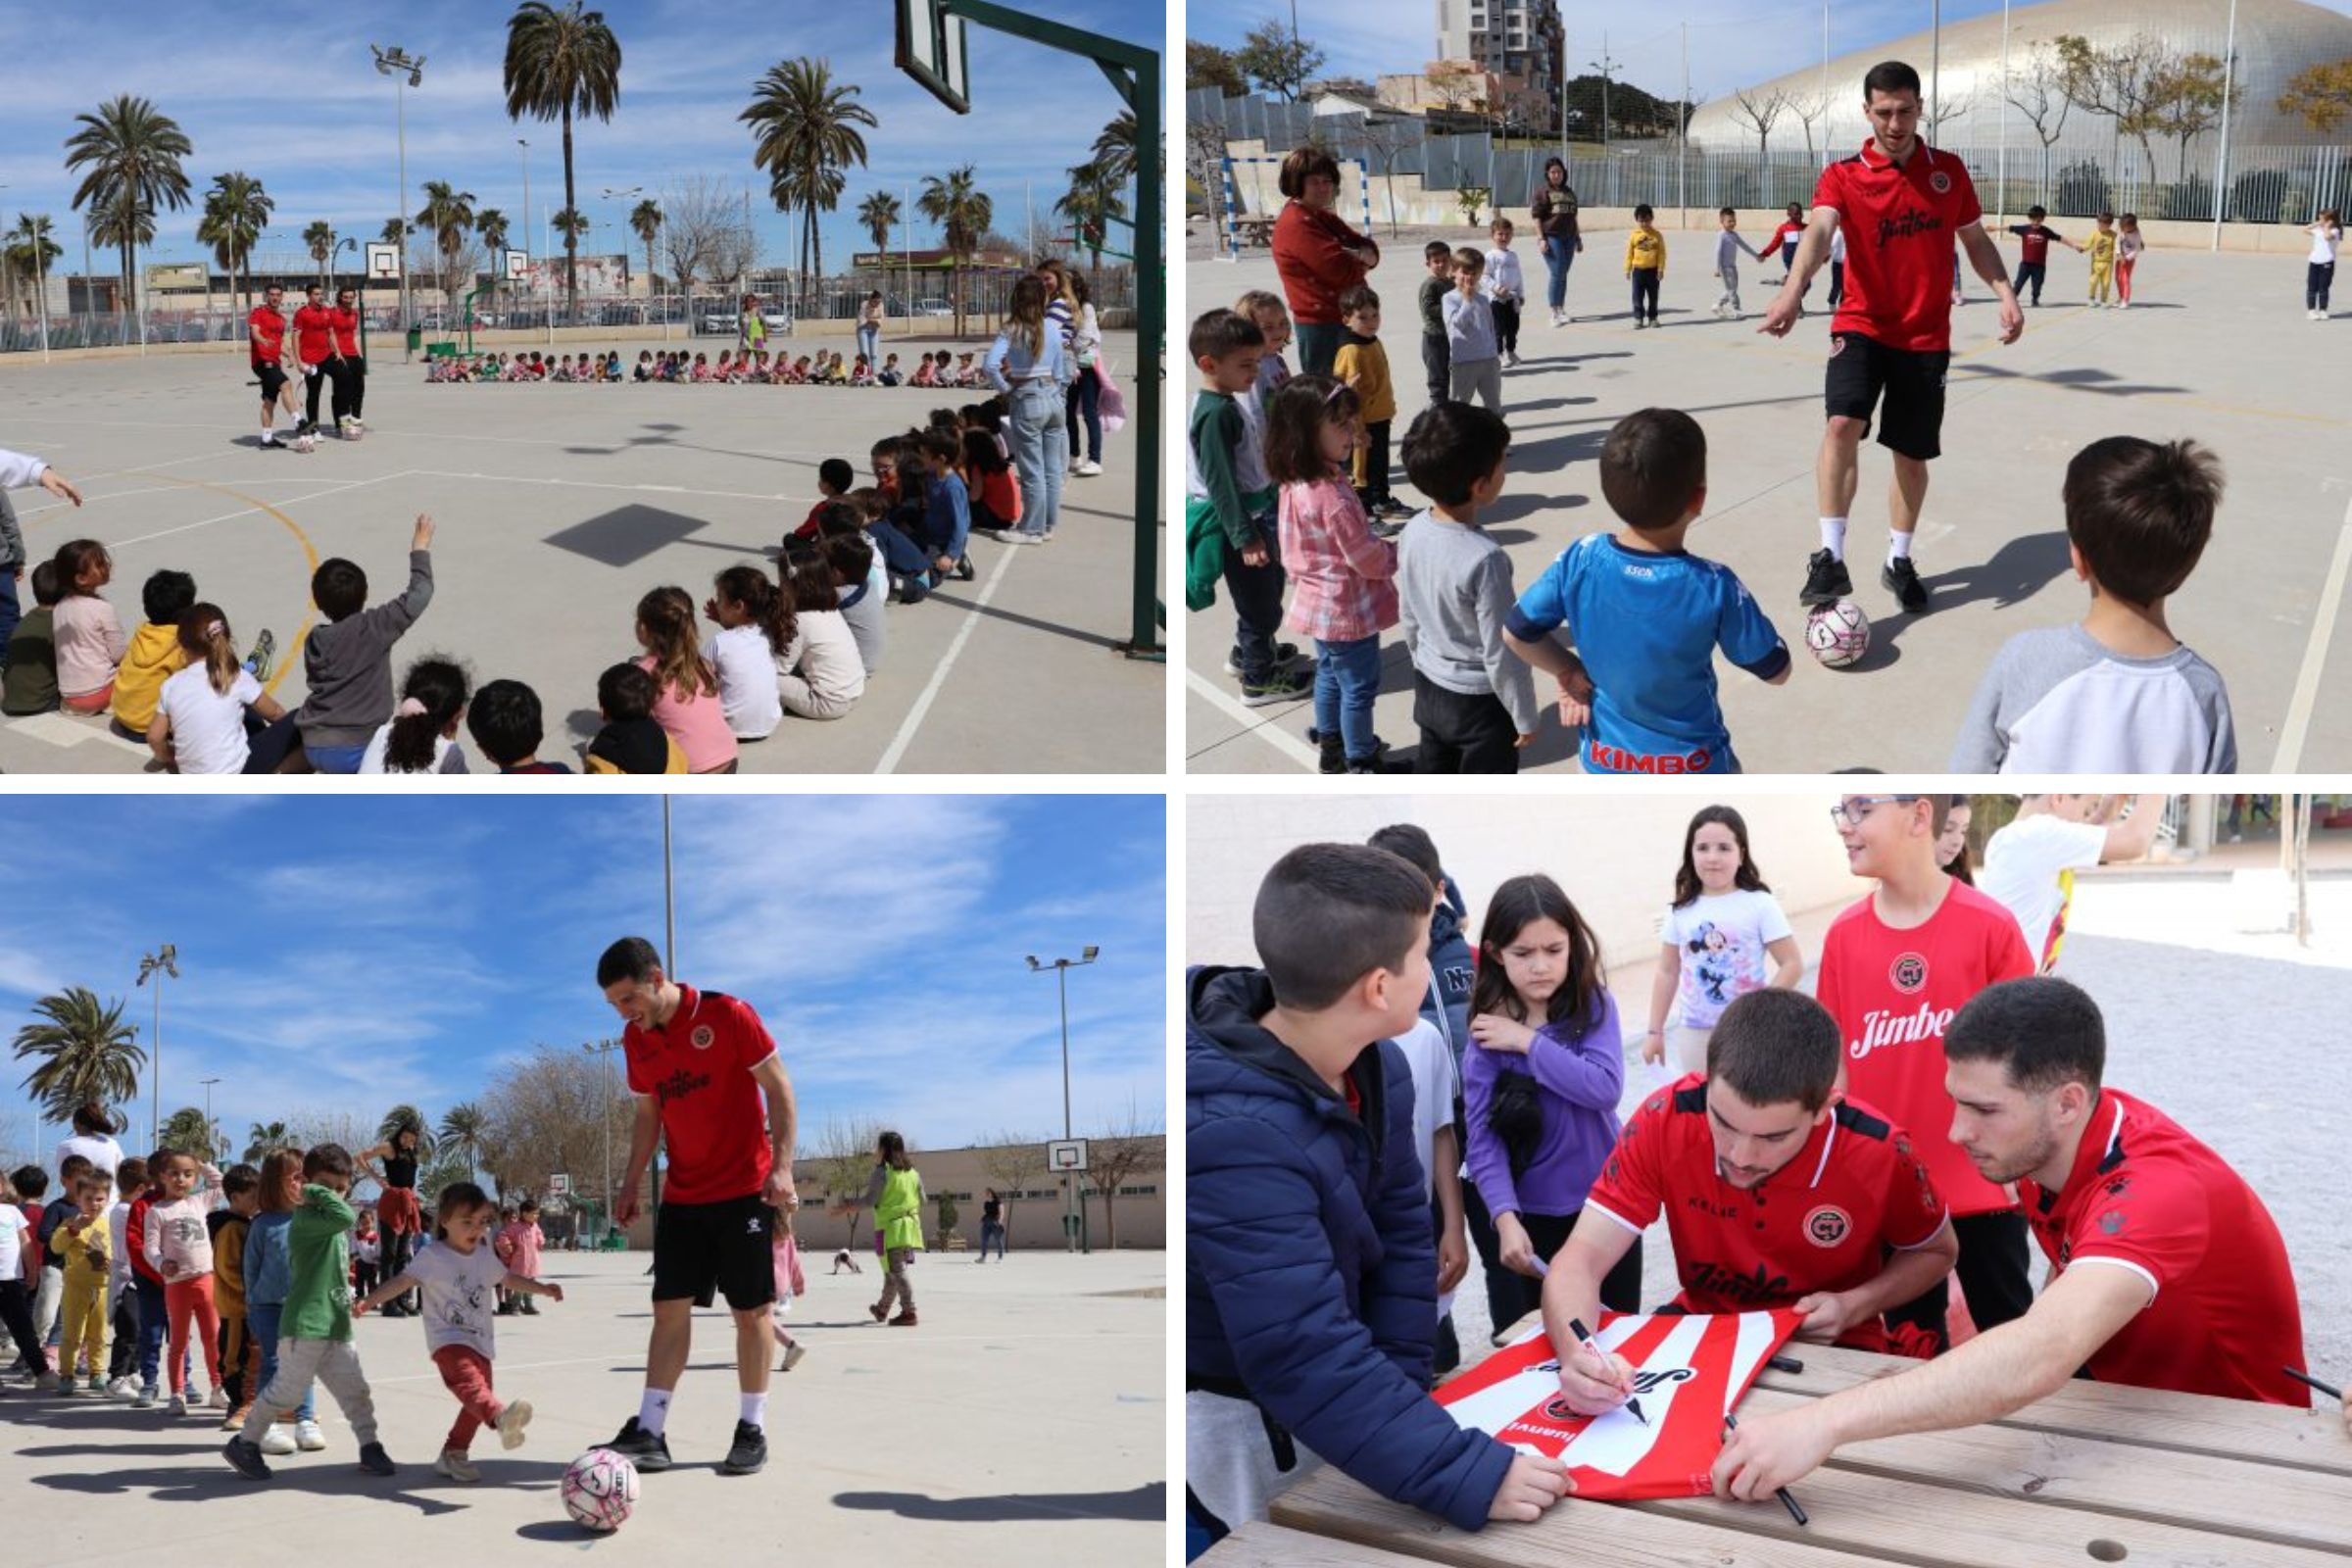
(308, 1438)
(793, 1354)
(123, 1388)
(511, 1422)
(457, 1467)
(1511, 359)
(277, 1440)
(1090, 467)
(180, 1405)
(1559, 317)
(219, 1398)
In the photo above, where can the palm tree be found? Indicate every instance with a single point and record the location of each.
(31, 253)
(878, 215)
(448, 216)
(319, 240)
(962, 211)
(90, 1056)
(492, 225)
(572, 224)
(186, 1130)
(804, 133)
(562, 63)
(462, 1127)
(408, 1116)
(263, 1139)
(1091, 202)
(130, 156)
(235, 212)
(1114, 149)
(646, 221)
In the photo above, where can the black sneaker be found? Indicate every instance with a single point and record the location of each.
(1331, 753)
(1284, 655)
(376, 1462)
(1826, 579)
(1279, 686)
(748, 1452)
(648, 1450)
(247, 1457)
(1900, 579)
(964, 568)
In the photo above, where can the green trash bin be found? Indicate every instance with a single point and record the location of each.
(416, 338)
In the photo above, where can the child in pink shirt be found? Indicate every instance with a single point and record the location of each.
(91, 639)
(686, 701)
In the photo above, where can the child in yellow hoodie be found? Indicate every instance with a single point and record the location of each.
(154, 655)
(1645, 265)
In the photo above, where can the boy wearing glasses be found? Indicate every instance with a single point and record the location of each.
(1894, 969)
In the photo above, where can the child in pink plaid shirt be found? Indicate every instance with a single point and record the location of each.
(1342, 574)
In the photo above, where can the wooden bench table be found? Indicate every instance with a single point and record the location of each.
(2096, 1473)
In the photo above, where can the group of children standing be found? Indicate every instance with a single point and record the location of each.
(943, 368)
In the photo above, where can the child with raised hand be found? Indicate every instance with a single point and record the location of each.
(1647, 615)
(2117, 693)
(506, 723)
(230, 1226)
(84, 1247)
(1343, 579)
(686, 701)
(179, 1248)
(90, 640)
(421, 736)
(755, 625)
(154, 654)
(820, 671)
(347, 662)
(1471, 355)
(268, 1277)
(458, 1276)
(212, 717)
(315, 1331)
(1722, 926)
(630, 741)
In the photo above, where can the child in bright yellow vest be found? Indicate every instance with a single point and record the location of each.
(896, 1196)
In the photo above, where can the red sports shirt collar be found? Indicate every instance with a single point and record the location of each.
(1875, 158)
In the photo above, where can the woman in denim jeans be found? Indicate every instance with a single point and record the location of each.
(869, 328)
(1554, 213)
(1084, 397)
(1026, 364)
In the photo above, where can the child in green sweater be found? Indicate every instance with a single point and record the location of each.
(315, 1328)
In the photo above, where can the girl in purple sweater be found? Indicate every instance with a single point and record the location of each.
(1540, 1083)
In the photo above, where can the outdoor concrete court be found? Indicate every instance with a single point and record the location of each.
(1024, 1422)
(559, 506)
(2218, 348)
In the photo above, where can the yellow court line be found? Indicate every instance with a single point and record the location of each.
(310, 555)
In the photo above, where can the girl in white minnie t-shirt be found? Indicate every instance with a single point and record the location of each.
(1724, 936)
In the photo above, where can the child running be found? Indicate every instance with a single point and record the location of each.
(268, 1274)
(459, 1277)
(232, 1226)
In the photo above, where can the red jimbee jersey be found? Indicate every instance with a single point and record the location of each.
(1819, 1223)
(714, 1119)
(2145, 1196)
(1902, 222)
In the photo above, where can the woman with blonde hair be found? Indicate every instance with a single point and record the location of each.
(1026, 365)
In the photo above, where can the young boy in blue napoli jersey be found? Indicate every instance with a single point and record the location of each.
(1646, 614)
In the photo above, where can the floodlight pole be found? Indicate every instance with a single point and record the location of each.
(1134, 71)
(1062, 969)
(405, 73)
(2221, 167)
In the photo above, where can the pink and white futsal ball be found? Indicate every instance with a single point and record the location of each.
(600, 1490)
(1838, 633)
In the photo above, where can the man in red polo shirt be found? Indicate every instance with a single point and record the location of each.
(699, 1063)
(314, 352)
(265, 339)
(1896, 969)
(1775, 1192)
(348, 368)
(2166, 1271)
(1900, 204)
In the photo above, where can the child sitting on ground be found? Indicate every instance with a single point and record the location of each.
(421, 736)
(154, 655)
(834, 477)
(863, 586)
(30, 685)
(2117, 693)
(630, 741)
(948, 512)
(819, 672)
(988, 480)
(504, 719)
(90, 640)
(888, 374)
(347, 662)
(1646, 614)
(686, 700)
(754, 624)
(212, 715)
(926, 373)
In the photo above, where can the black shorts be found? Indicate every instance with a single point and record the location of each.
(698, 1247)
(1861, 368)
(273, 379)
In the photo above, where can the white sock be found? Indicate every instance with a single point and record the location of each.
(755, 1409)
(269, 437)
(1898, 546)
(653, 1410)
(1833, 536)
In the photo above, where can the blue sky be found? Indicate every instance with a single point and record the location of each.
(1732, 42)
(350, 954)
(293, 98)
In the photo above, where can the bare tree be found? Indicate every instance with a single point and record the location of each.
(310, 1126)
(1385, 141)
(1131, 1146)
(1011, 1162)
(1808, 109)
(704, 234)
(845, 1165)
(547, 1113)
(1458, 83)
(1759, 110)
(1205, 158)
(2037, 91)
(2119, 83)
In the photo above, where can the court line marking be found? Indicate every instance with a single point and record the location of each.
(2292, 733)
(596, 485)
(913, 720)
(293, 649)
(1252, 723)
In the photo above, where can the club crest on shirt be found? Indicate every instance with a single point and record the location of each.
(1828, 1225)
(702, 1036)
(1941, 183)
(2112, 1222)
(1908, 973)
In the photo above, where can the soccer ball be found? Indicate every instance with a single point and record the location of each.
(306, 443)
(600, 1490)
(1838, 634)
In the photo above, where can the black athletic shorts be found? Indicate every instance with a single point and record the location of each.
(274, 378)
(698, 1247)
(1861, 368)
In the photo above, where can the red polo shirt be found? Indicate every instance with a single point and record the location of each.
(2144, 1196)
(713, 1120)
(269, 330)
(314, 332)
(347, 331)
(1901, 222)
(1818, 1223)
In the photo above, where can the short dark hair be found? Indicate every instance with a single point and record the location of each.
(850, 556)
(1328, 914)
(1645, 213)
(73, 1166)
(167, 595)
(625, 691)
(1303, 164)
(1890, 75)
(2141, 513)
(1358, 298)
(1727, 211)
(837, 472)
(339, 587)
(1409, 842)
(1771, 1047)
(1450, 447)
(328, 1160)
(1653, 462)
(1435, 248)
(44, 584)
(2038, 212)
(239, 1179)
(1220, 332)
(937, 443)
(2042, 1030)
(29, 1181)
(505, 721)
(629, 958)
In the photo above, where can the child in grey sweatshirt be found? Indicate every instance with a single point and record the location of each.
(347, 662)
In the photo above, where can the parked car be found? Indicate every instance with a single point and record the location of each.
(933, 308)
(777, 320)
(717, 322)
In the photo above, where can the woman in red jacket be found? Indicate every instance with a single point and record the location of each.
(1319, 256)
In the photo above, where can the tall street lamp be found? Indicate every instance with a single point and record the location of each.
(157, 964)
(1062, 969)
(207, 1115)
(603, 1049)
(405, 73)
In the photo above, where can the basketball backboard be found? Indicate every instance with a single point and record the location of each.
(383, 261)
(1065, 1156)
(932, 50)
(518, 263)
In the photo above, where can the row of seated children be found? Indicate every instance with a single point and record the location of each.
(933, 488)
(533, 367)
